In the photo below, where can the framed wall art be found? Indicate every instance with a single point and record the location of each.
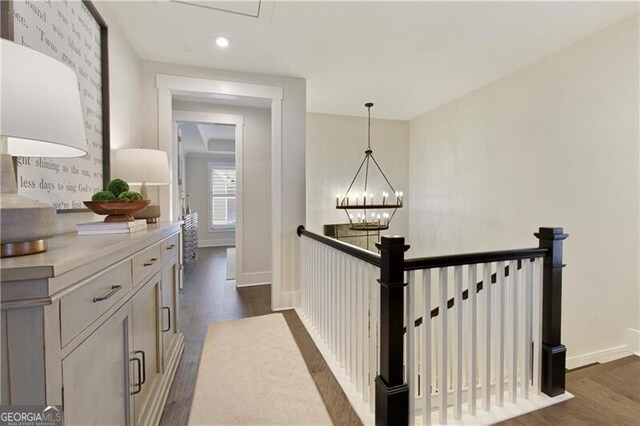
(74, 33)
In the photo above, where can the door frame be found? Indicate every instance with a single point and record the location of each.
(182, 116)
(168, 85)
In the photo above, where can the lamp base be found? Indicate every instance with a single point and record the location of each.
(24, 223)
(23, 248)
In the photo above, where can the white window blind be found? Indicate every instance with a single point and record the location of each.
(223, 196)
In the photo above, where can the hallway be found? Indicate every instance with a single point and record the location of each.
(209, 297)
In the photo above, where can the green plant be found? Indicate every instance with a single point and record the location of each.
(129, 196)
(117, 186)
(103, 196)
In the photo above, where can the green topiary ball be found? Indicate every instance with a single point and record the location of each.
(129, 196)
(117, 186)
(103, 196)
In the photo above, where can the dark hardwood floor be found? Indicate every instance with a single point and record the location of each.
(605, 394)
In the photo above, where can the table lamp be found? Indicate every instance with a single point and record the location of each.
(41, 116)
(144, 167)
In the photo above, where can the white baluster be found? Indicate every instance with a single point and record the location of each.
(528, 335)
(426, 347)
(343, 310)
(334, 304)
(365, 332)
(457, 342)
(359, 337)
(410, 316)
(501, 317)
(537, 325)
(486, 356)
(373, 336)
(513, 320)
(349, 317)
(443, 356)
(353, 324)
(472, 380)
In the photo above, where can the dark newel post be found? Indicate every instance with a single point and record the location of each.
(392, 393)
(553, 352)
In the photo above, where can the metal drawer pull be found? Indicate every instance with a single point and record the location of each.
(114, 290)
(144, 367)
(139, 384)
(171, 247)
(151, 261)
(169, 326)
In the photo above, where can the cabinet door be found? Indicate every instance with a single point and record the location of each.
(170, 276)
(96, 375)
(147, 342)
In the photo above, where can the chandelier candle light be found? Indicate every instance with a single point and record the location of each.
(367, 201)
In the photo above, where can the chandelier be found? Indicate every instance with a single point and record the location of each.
(365, 209)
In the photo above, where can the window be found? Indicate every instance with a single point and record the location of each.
(222, 189)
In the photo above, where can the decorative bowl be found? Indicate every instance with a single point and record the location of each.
(116, 210)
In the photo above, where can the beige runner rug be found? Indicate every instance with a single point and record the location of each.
(251, 372)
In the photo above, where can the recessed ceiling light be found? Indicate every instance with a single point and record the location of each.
(223, 41)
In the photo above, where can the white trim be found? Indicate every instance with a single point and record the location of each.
(216, 242)
(602, 356)
(211, 155)
(190, 85)
(633, 341)
(290, 300)
(252, 278)
(168, 84)
(252, 285)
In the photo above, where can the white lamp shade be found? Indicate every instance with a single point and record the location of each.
(139, 166)
(41, 110)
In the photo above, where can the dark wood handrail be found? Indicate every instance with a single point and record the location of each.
(349, 249)
(472, 258)
(428, 262)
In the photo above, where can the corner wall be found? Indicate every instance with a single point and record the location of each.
(554, 144)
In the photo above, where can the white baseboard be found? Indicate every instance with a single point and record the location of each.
(288, 300)
(217, 242)
(252, 284)
(245, 279)
(633, 341)
(602, 356)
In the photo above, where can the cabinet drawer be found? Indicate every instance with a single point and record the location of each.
(82, 307)
(169, 249)
(145, 263)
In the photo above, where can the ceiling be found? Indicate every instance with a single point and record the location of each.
(407, 57)
(212, 139)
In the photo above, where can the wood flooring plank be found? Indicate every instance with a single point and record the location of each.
(605, 394)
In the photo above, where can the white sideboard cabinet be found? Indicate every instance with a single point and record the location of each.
(92, 324)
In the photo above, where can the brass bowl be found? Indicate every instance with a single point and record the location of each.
(117, 210)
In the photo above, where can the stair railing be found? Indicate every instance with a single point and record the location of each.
(505, 338)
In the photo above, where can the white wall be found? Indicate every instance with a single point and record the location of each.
(292, 201)
(554, 144)
(125, 96)
(256, 183)
(335, 149)
(197, 186)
